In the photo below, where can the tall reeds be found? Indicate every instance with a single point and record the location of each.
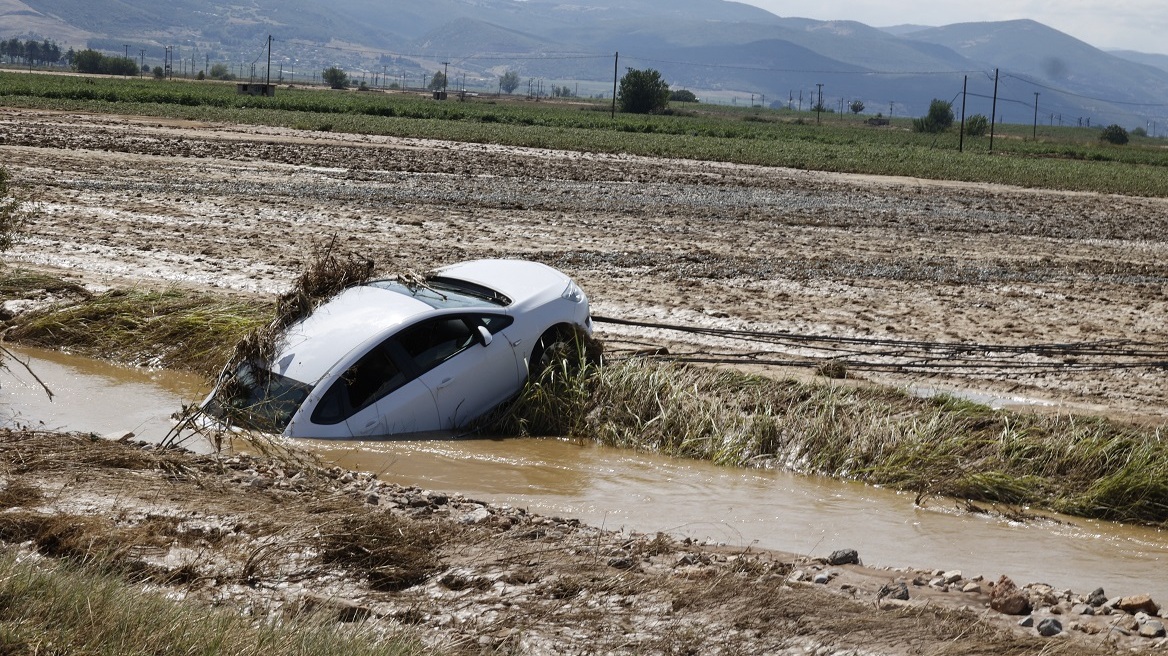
(1087, 466)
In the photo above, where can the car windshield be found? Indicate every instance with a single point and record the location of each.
(258, 399)
(444, 293)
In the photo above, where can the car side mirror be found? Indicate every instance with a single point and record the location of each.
(485, 336)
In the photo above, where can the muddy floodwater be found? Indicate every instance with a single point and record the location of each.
(619, 489)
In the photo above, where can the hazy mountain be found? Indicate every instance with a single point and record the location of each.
(1159, 61)
(724, 51)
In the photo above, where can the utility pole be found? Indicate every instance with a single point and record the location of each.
(615, 61)
(961, 139)
(128, 56)
(445, 65)
(818, 103)
(1034, 135)
(141, 60)
(994, 111)
(268, 83)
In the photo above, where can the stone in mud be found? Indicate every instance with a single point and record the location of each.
(1097, 598)
(1049, 627)
(1152, 629)
(1007, 598)
(893, 590)
(1137, 604)
(844, 557)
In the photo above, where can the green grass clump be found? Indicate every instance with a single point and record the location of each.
(1086, 466)
(59, 608)
(173, 328)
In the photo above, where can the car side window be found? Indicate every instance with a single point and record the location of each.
(493, 322)
(373, 377)
(432, 342)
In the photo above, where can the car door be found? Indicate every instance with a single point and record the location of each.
(468, 374)
(378, 395)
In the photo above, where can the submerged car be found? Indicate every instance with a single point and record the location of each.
(390, 358)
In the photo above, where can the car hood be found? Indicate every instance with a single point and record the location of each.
(312, 346)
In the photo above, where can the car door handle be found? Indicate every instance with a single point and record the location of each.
(445, 383)
(370, 424)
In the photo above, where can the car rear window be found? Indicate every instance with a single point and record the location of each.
(256, 398)
(446, 293)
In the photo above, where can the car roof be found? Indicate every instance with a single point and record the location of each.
(315, 344)
(519, 280)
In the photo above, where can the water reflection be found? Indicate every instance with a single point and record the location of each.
(647, 493)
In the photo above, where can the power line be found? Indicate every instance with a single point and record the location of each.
(1079, 95)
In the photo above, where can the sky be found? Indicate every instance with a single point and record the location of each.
(1108, 24)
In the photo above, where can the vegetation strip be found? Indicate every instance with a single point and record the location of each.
(1068, 158)
(1085, 466)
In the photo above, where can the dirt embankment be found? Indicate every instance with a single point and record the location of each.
(237, 208)
(286, 537)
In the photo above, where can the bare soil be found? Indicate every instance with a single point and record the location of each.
(124, 200)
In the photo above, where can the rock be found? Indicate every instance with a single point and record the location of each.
(1152, 629)
(796, 576)
(1089, 628)
(951, 577)
(844, 557)
(476, 516)
(1097, 598)
(971, 587)
(1027, 621)
(1007, 598)
(1127, 623)
(622, 562)
(823, 578)
(889, 603)
(1083, 609)
(1050, 627)
(893, 590)
(1138, 603)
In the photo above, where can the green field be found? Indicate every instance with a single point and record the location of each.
(1063, 158)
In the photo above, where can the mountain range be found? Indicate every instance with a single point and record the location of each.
(724, 51)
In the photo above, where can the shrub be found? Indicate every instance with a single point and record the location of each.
(1114, 134)
(939, 118)
(977, 125)
(643, 92)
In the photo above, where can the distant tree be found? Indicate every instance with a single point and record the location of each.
(158, 73)
(119, 66)
(977, 125)
(88, 61)
(509, 81)
(1139, 132)
(643, 92)
(220, 72)
(857, 106)
(438, 82)
(1114, 134)
(939, 118)
(32, 52)
(70, 57)
(335, 77)
(683, 95)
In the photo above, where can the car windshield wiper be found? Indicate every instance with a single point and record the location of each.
(468, 289)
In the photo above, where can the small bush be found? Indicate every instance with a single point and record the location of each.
(1114, 134)
(977, 125)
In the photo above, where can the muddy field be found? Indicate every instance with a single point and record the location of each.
(152, 202)
(239, 208)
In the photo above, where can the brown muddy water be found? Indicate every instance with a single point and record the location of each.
(619, 489)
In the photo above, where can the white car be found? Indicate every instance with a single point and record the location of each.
(386, 358)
